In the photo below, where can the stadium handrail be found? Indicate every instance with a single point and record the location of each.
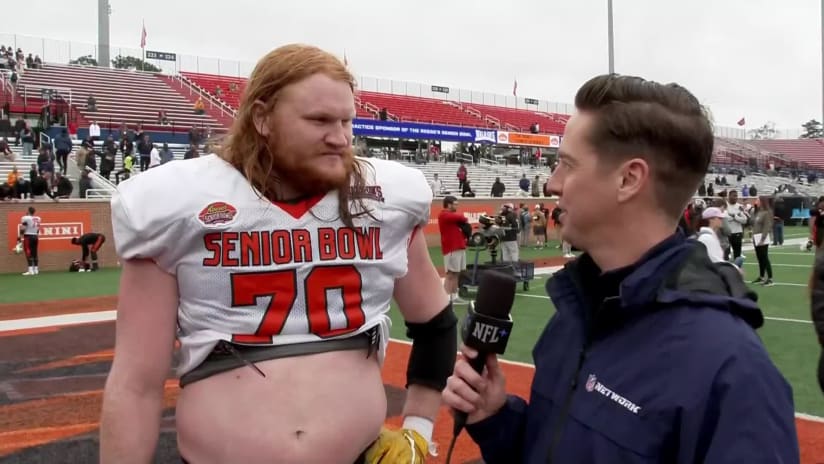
(224, 108)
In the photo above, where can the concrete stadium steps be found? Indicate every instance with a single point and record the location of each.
(480, 178)
(122, 96)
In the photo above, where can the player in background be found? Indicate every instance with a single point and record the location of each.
(27, 234)
(90, 243)
(274, 269)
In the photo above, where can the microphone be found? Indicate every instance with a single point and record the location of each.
(487, 325)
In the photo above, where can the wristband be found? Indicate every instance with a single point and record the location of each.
(421, 425)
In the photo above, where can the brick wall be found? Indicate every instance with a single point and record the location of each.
(56, 260)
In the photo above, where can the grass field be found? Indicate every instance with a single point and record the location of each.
(787, 333)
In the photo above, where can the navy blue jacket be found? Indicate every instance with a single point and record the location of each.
(667, 369)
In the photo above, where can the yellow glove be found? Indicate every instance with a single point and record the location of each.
(402, 446)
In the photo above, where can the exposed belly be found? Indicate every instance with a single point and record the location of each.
(323, 408)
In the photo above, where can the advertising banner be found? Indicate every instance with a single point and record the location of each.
(56, 228)
(412, 130)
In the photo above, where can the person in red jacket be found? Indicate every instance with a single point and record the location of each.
(453, 245)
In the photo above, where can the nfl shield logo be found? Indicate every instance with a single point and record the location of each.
(591, 382)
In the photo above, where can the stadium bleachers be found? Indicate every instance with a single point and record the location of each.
(211, 82)
(122, 96)
(521, 120)
(810, 151)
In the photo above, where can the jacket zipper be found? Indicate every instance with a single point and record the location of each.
(558, 429)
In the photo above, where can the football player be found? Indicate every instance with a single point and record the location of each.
(90, 243)
(28, 233)
(274, 270)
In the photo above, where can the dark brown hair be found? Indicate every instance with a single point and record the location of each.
(662, 123)
(249, 152)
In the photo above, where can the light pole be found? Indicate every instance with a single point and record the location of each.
(612, 39)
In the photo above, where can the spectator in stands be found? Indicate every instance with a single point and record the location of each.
(702, 189)
(761, 230)
(194, 136)
(466, 191)
(94, 131)
(462, 176)
(84, 184)
(436, 185)
(72, 126)
(5, 150)
(91, 103)
(166, 154)
(200, 107)
(233, 87)
(12, 179)
(191, 152)
(162, 118)
(219, 92)
(536, 186)
(63, 146)
(126, 172)
(45, 161)
(30, 61)
(498, 188)
(753, 191)
(154, 157)
(27, 138)
(19, 125)
(38, 63)
(126, 145)
(63, 186)
(523, 186)
(710, 190)
(144, 150)
(107, 157)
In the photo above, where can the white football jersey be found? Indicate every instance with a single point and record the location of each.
(254, 272)
(31, 224)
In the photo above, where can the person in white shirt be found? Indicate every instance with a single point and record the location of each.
(436, 185)
(712, 220)
(154, 157)
(94, 131)
(737, 221)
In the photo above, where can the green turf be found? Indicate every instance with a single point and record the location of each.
(792, 344)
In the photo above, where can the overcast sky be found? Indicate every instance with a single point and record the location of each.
(756, 59)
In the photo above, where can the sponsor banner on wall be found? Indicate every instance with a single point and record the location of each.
(473, 209)
(527, 139)
(418, 131)
(56, 228)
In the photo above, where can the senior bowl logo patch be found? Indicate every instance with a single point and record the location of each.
(217, 213)
(591, 382)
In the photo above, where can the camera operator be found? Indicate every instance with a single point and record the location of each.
(509, 243)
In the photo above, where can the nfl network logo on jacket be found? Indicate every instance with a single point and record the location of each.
(594, 385)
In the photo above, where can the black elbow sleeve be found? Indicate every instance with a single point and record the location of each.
(434, 349)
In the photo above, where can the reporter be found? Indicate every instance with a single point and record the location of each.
(652, 354)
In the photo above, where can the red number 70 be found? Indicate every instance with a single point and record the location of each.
(281, 287)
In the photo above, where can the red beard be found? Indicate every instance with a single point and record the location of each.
(303, 174)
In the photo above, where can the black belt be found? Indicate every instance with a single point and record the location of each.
(227, 356)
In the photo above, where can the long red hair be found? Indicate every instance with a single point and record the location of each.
(249, 151)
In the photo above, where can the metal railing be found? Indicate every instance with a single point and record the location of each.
(225, 109)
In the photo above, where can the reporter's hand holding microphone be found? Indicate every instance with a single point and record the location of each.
(477, 388)
(478, 395)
